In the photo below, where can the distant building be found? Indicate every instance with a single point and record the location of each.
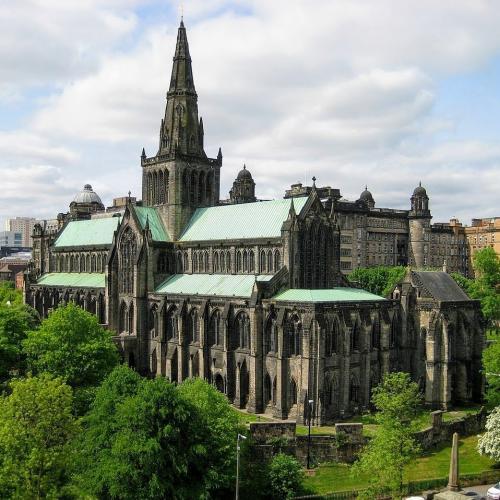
(23, 226)
(13, 266)
(483, 233)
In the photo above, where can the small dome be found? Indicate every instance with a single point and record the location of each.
(87, 196)
(367, 196)
(419, 190)
(244, 174)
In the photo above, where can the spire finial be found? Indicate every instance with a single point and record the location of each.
(366, 187)
(129, 193)
(244, 166)
(419, 183)
(314, 181)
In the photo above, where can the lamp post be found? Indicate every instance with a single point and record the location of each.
(238, 465)
(310, 410)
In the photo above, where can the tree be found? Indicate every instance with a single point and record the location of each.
(36, 426)
(71, 344)
(491, 365)
(379, 280)
(15, 321)
(9, 295)
(220, 428)
(143, 439)
(384, 458)
(489, 442)
(285, 477)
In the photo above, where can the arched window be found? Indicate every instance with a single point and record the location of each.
(201, 185)
(88, 263)
(228, 262)
(375, 334)
(245, 261)
(193, 187)
(271, 334)
(355, 337)
(77, 263)
(262, 261)
(251, 261)
(293, 392)
(354, 390)
(186, 262)
(128, 249)
(93, 264)
(166, 181)
(243, 330)
(269, 261)
(216, 262)
(294, 334)
(208, 188)
(179, 262)
(83, 267)
(331, 337)
(277, 260)
(195, 262)
(185, 187)
(238, 261)
(194, 326)
(215, 331)
(99, 263)
(161, 188)
(123, 320)
(162, 263)
(205, 260)
(171, 324)
(131, 325)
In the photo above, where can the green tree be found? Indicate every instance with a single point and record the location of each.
(71, 344)
(489, 442)
(379, 280)
(384, 458)
(219, 432)
(285, 477)
(15, 321)
(36, 426)
(491, 366)
(143, 439)
(9, 295)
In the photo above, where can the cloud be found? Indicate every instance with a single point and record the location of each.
(344, 90)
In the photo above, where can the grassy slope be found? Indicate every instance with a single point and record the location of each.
(434, 464)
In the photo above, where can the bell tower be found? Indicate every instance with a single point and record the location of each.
(180, 177)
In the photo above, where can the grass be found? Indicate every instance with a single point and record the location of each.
(247, 418)
(432, 464)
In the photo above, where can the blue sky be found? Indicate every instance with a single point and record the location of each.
(354, 92)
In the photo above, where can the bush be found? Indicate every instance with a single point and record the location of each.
(285, 477)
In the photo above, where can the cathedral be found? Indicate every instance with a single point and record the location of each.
(250, 294)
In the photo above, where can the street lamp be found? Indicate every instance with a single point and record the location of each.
(240, 436)
(310, 410)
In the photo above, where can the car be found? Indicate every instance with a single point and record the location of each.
(474, 495)
(494, 492)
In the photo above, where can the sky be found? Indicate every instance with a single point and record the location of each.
(354, 92)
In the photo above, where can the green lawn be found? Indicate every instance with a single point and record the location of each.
(247, 418)
(433, 464)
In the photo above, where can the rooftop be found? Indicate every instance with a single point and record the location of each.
(338, 294)
(92, 232)
(73, 280)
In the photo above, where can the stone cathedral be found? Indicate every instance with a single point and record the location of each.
(248, 294)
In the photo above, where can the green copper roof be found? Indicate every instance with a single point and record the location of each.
(226, 285)
(328, 295)
(92, 232)
(158, 231)
(262, 219)
(74, 280)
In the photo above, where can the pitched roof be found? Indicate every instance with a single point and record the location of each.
(440, 285)
(92, 232)
(225, 285)
(151, 215)
(75, 280)
(338, 294)
(261, 219)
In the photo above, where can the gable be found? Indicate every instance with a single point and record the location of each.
(440, 285)
(262, 219)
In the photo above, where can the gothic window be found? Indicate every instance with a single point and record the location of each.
(171, 323)
(88, 263)
(123, 320)
(185, 262)
(271, 334)
(83, 268)
(193, 188)
(293, 392)
(201, 186)
(330, 335)
(228, 261)
(251, 261)
(245, 261)
(277, 260)
(93, 264)
(194, 326)
(179, 262)
(153, 321)
(208, 188)
(262, 261)
(77, 263)
(216, 262)
(128, 249)
(294, 334)
(162, 263)
(394, 332)
(215, 331)
(185, 187)
(161, 187)
(205, 260)
(99, 263)
(195, 262)
(166, 183)
(355, 337)
(243, 330)
(375, 340)
(131, 326)
(354, 390)
(269, 261)
(238, 261)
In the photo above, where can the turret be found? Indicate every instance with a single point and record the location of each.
(419, 223)
(243, 190)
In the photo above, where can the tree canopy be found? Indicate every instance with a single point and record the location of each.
(379, 280)
(36, 425)
(489, 442)
(148, 439)
(71, 344)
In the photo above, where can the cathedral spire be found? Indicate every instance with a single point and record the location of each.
(182, 72)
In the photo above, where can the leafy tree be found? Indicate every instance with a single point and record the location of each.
(491, 365)
(489, 442)
(384, 458)
(9, 294)
(71, 344)
(15, 321)
(36, 425)
(220, 428)
(285, 477)
(144, 439)
(379, 280)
